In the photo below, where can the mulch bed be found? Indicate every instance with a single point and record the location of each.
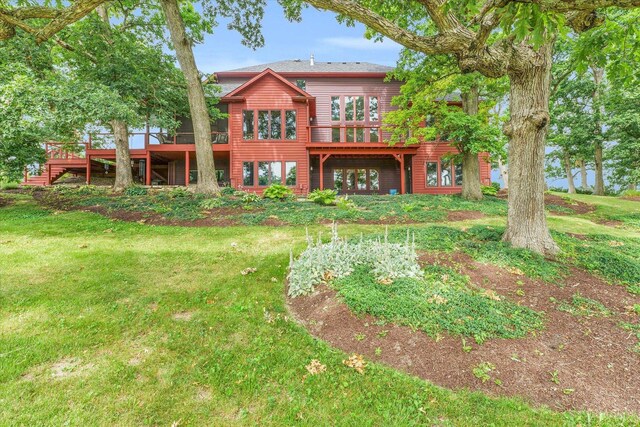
(464, 215)
(596, 368)
(632, 198)
(577, 207)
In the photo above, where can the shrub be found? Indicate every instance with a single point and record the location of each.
(496, 185)
(409, 207)
(211, 203)
(249, 197)
(345, 203)
(581, 190)
(489, 190)
(227, 191)
(136, 191)
(630, 193)
(277, 192)
(179, 192)
(6, 185)
(323, 197)
(320, 262)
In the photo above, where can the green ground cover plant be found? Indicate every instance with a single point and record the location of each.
(441, 301)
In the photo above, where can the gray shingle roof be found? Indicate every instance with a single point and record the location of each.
(228, 87)
(304, 66)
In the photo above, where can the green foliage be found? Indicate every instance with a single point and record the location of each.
(8, 185)
(227, 191)
(583, 306)
(489, 190)
(635, 329)
(323, 197)
(442, 301)
(482, 371)
(323, 262)
(136, 191)
(250, 197)
(211, 203)
(346, 204)
(277, 191)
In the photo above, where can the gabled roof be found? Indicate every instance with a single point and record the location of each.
(304, 66)
(267, 72)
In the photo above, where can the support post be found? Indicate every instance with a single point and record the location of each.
(403, 181)
(147, 174)
(146, 136)
(323, 157)
(88, 169)
(187, 166)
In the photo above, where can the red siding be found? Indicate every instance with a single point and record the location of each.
(268, 93)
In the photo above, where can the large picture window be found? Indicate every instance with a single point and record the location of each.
(269, 173)
(362, 179)
(269, 124)
(359, 118)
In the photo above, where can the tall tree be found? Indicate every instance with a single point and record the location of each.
(431, 80)
(121, 55)
(40, 101)
(495, 38)
(248, 25)
(623, 129)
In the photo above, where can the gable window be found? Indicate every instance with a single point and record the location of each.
(302, 84)
(269, 173)
(290, 124)
(248, 179)
(247, 124)
(269, 124)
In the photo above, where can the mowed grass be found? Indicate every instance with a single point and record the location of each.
(110, 323)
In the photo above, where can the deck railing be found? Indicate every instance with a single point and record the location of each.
(105, 140)
(65, 151)
(347, 134)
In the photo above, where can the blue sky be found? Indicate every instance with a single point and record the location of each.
(318, 33)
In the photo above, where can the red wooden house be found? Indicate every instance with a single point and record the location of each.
(304, 124)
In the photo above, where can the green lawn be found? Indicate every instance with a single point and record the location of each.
(110, 323)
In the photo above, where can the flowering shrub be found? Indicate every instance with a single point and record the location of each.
(322, 262)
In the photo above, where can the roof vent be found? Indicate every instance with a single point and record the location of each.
(344, 62)
(357, 62)
(296, 60)
(312, 60)
(329, 62)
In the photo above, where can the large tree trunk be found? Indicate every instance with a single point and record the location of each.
(598, 188)
(527, 131)
(471, 185)
(207, 182)
(567, 169)
(583, 175)
(124, 176)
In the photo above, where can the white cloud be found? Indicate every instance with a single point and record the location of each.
(360, 43)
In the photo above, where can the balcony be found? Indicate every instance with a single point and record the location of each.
(347, 136)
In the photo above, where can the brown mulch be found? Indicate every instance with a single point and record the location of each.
(632, 198)
(464, 215)
(224, 217)
(596, 368)
(551, 199)
(577, 207)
